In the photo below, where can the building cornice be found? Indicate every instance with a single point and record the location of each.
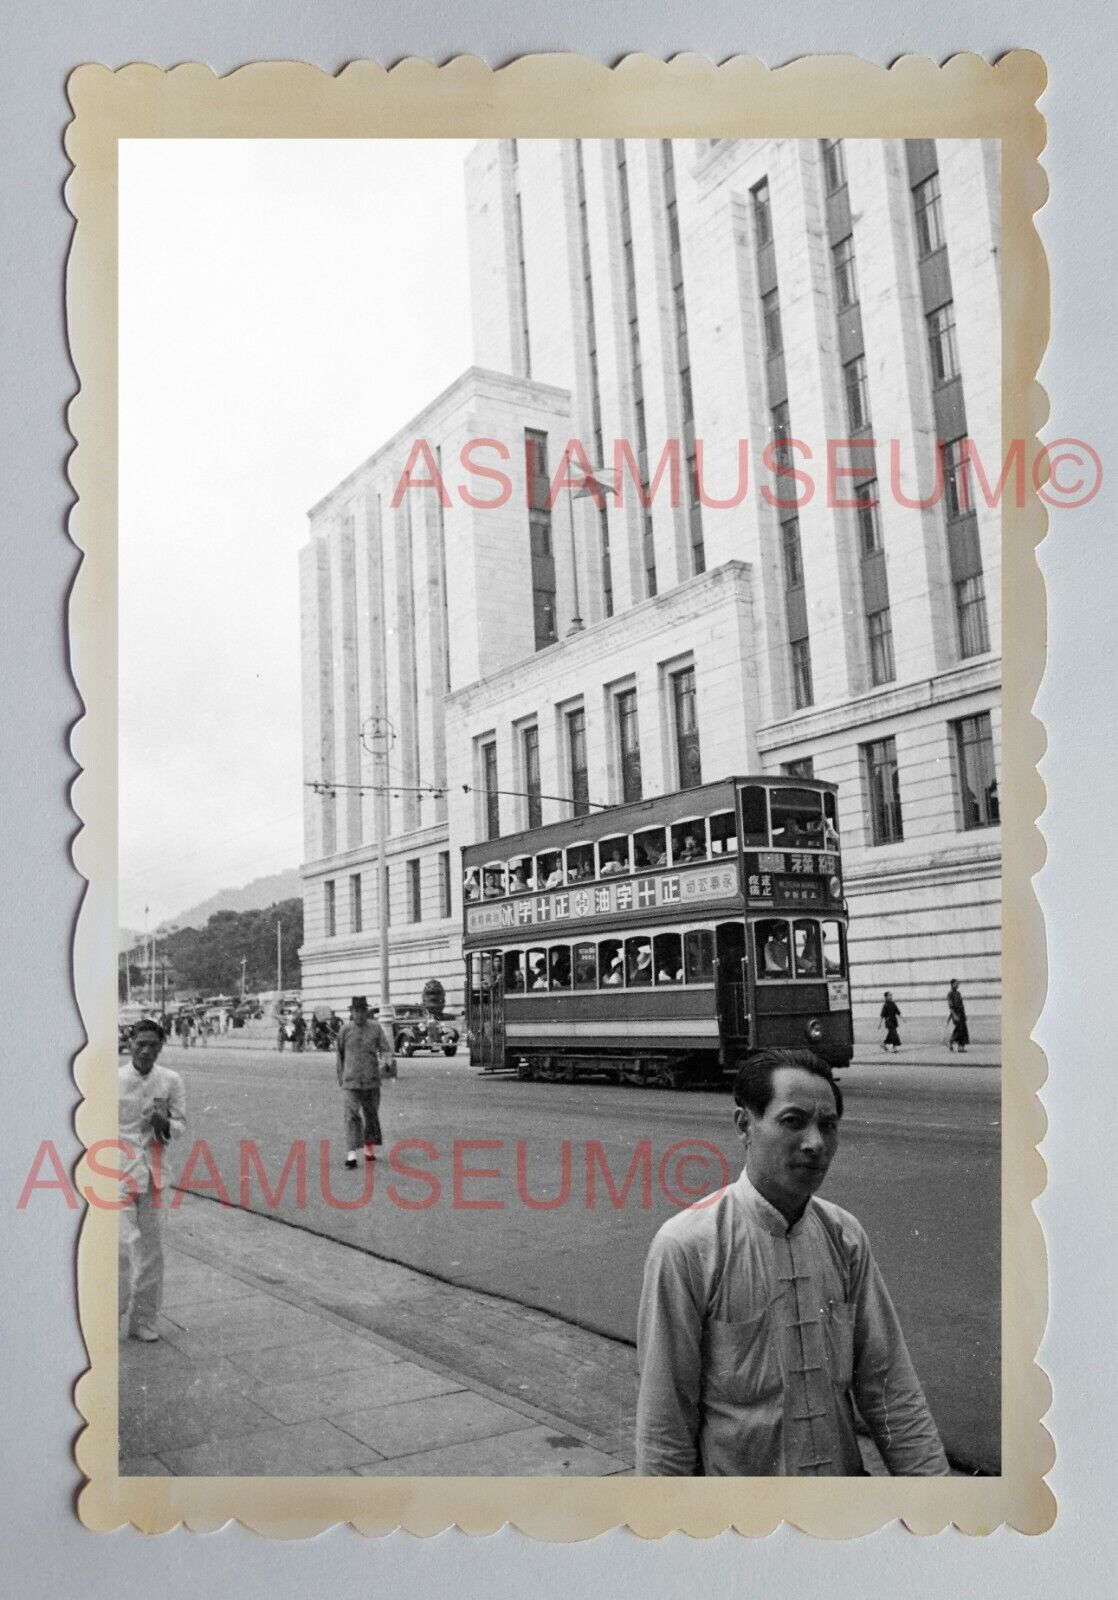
(899, 700)
(599, 639)
(475, 382)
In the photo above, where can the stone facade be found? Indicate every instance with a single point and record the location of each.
(594, 321)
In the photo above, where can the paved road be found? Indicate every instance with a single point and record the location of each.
(918, 1164)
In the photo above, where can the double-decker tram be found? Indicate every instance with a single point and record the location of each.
(661, 942)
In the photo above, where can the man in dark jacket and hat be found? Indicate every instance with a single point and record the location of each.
(364, 1049)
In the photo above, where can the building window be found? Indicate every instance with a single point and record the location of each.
(331, 908)
(415, 892)
(489, 788)
(802, 767)
(444, 883)
(356, 920)
(856, 385)
(929, 216)
(781, 432)
(884, 787)
(532, 777)
(576, 750)
(539, 535)
(880, 627)
(629, 743)
(970, 611)
(834, 165)
(770, 311)
(793, 559)
(762, 215)
(802, 692)
(941, 344)
(978, 781)
(869, 519)
(846, 284)
(686, 729)
(956, 480)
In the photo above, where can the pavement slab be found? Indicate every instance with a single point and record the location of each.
(422, 1425)
(304, 1450)
(529, 1453)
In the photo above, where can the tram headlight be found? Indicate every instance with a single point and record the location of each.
(814, 1030)
(834, 888)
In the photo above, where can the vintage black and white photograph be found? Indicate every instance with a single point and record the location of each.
(559, 830)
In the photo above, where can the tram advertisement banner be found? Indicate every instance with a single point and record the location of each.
(608, 899)
(789, 876)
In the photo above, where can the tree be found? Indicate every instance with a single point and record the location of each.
(208, 960)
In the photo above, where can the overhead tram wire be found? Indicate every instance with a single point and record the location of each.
(321, 786)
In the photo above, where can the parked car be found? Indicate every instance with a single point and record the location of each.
(417, 1030)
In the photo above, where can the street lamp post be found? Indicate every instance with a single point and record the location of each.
(377, 737)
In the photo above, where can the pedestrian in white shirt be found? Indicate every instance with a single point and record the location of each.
(152, 1113)
(764, 1318)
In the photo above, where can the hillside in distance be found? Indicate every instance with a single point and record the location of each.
(254, 896)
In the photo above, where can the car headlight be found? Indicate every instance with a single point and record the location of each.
(834, 888)
(814, 1030)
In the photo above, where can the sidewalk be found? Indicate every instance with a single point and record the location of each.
(282, 1352)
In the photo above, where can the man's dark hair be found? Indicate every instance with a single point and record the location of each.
(148, 1025)
(753, 1086)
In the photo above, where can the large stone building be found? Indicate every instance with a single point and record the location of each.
(726, 309)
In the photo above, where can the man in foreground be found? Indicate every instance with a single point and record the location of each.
(152, 1113)
(364, 1049)
(764, 1317)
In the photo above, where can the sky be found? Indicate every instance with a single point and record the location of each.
(285, 306)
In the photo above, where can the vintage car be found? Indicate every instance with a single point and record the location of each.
(417, 1030)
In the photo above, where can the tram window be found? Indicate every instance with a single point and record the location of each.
(805, 943)
(613, 856)
(698, 951)
(667, 958)
(520, 875)
(754, 816)
(638, 962)
(489, 966)
(514, 972)
(586, 966)
(549, 870)
(797, 819)
(774, 956)
(611, 963)
(471, 886)
(830, 822)
(580, 863)
(493, 880)
(723, 834)
(833, 964)
(559, 966)
(650, 849)
(535, 967)
(689, 840)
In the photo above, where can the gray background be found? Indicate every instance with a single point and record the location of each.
(45, 1550)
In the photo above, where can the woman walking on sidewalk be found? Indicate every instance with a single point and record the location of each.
(957, 1019)
(890, 1016)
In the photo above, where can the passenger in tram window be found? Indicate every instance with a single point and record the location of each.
(518, 880)
(471, 889)
(494, 888)
(776, 958)
(611, 963)
(615, 863)
(640, 963)
(808, 963)
(580, 863)
(669, 958)
(698, 946)
(649, 849)
(689, 848)
(559, 963)
(514, 972)
(537, 969)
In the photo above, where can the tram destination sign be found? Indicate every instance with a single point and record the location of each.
(669, 889)
(789, 876)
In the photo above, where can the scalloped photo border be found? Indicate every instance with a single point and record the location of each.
(557, 96)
